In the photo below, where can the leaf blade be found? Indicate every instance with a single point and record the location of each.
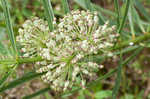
(65, 6)
(27, 77)
(49, 13)
(5, 77)
(118, 79)
(36, 93)
(124, 17)
(119, 69)
(116, 4)
(9, 25)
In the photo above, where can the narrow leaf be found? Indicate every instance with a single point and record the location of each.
(119, 69)
(133, 55)
(5, 77)
(49, 13)
(116, 4)
(131, 22)
(65, 6)
(134, 41)
(100, 9)
(42, 91)
(142, 10)
(88, 5)
(9, 25)
(26, 77)
(118, 79)
(138, 20)
(124, 18)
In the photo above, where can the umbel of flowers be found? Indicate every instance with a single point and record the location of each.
(76, 36)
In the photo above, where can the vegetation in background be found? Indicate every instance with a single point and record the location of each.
(124, 77)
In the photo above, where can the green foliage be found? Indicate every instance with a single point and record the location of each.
(49, 13)
(8, 72)
(103, 94)
(88, 5)
(132, 20)
(9, 25)
(142, 9)
(118, 79)
(116, 4)
(3, 50)
(124, 17)
(26, 77)
(37, 93)
(65, 6)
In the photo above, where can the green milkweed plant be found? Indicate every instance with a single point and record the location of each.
(77, 35)
(63, 50)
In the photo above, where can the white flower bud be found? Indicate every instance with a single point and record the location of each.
(131, 43)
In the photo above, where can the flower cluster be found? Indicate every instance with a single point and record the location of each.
(33, 35)
(76, 36)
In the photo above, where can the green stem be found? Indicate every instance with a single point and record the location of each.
(29, 60)
(134, 41)
(21, 60)
(68, 65)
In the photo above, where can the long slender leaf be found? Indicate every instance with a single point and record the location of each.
(37, 93)
(119, 69)
(5, 77)
(88, 5)
(101, 19)
(133, 55)
(135, 41)
(131, 22)
(124, 18)
(49, 13)
(118, 79)
(97, 7)
(65, 6)
(117, 11)
(138, 20)
(100, 9)
(9, 25)
(141, 8)
(27, 77)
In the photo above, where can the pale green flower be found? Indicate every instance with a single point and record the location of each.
(77, 35)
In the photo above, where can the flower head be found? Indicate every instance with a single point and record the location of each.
(77, 35)
(33, 35)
